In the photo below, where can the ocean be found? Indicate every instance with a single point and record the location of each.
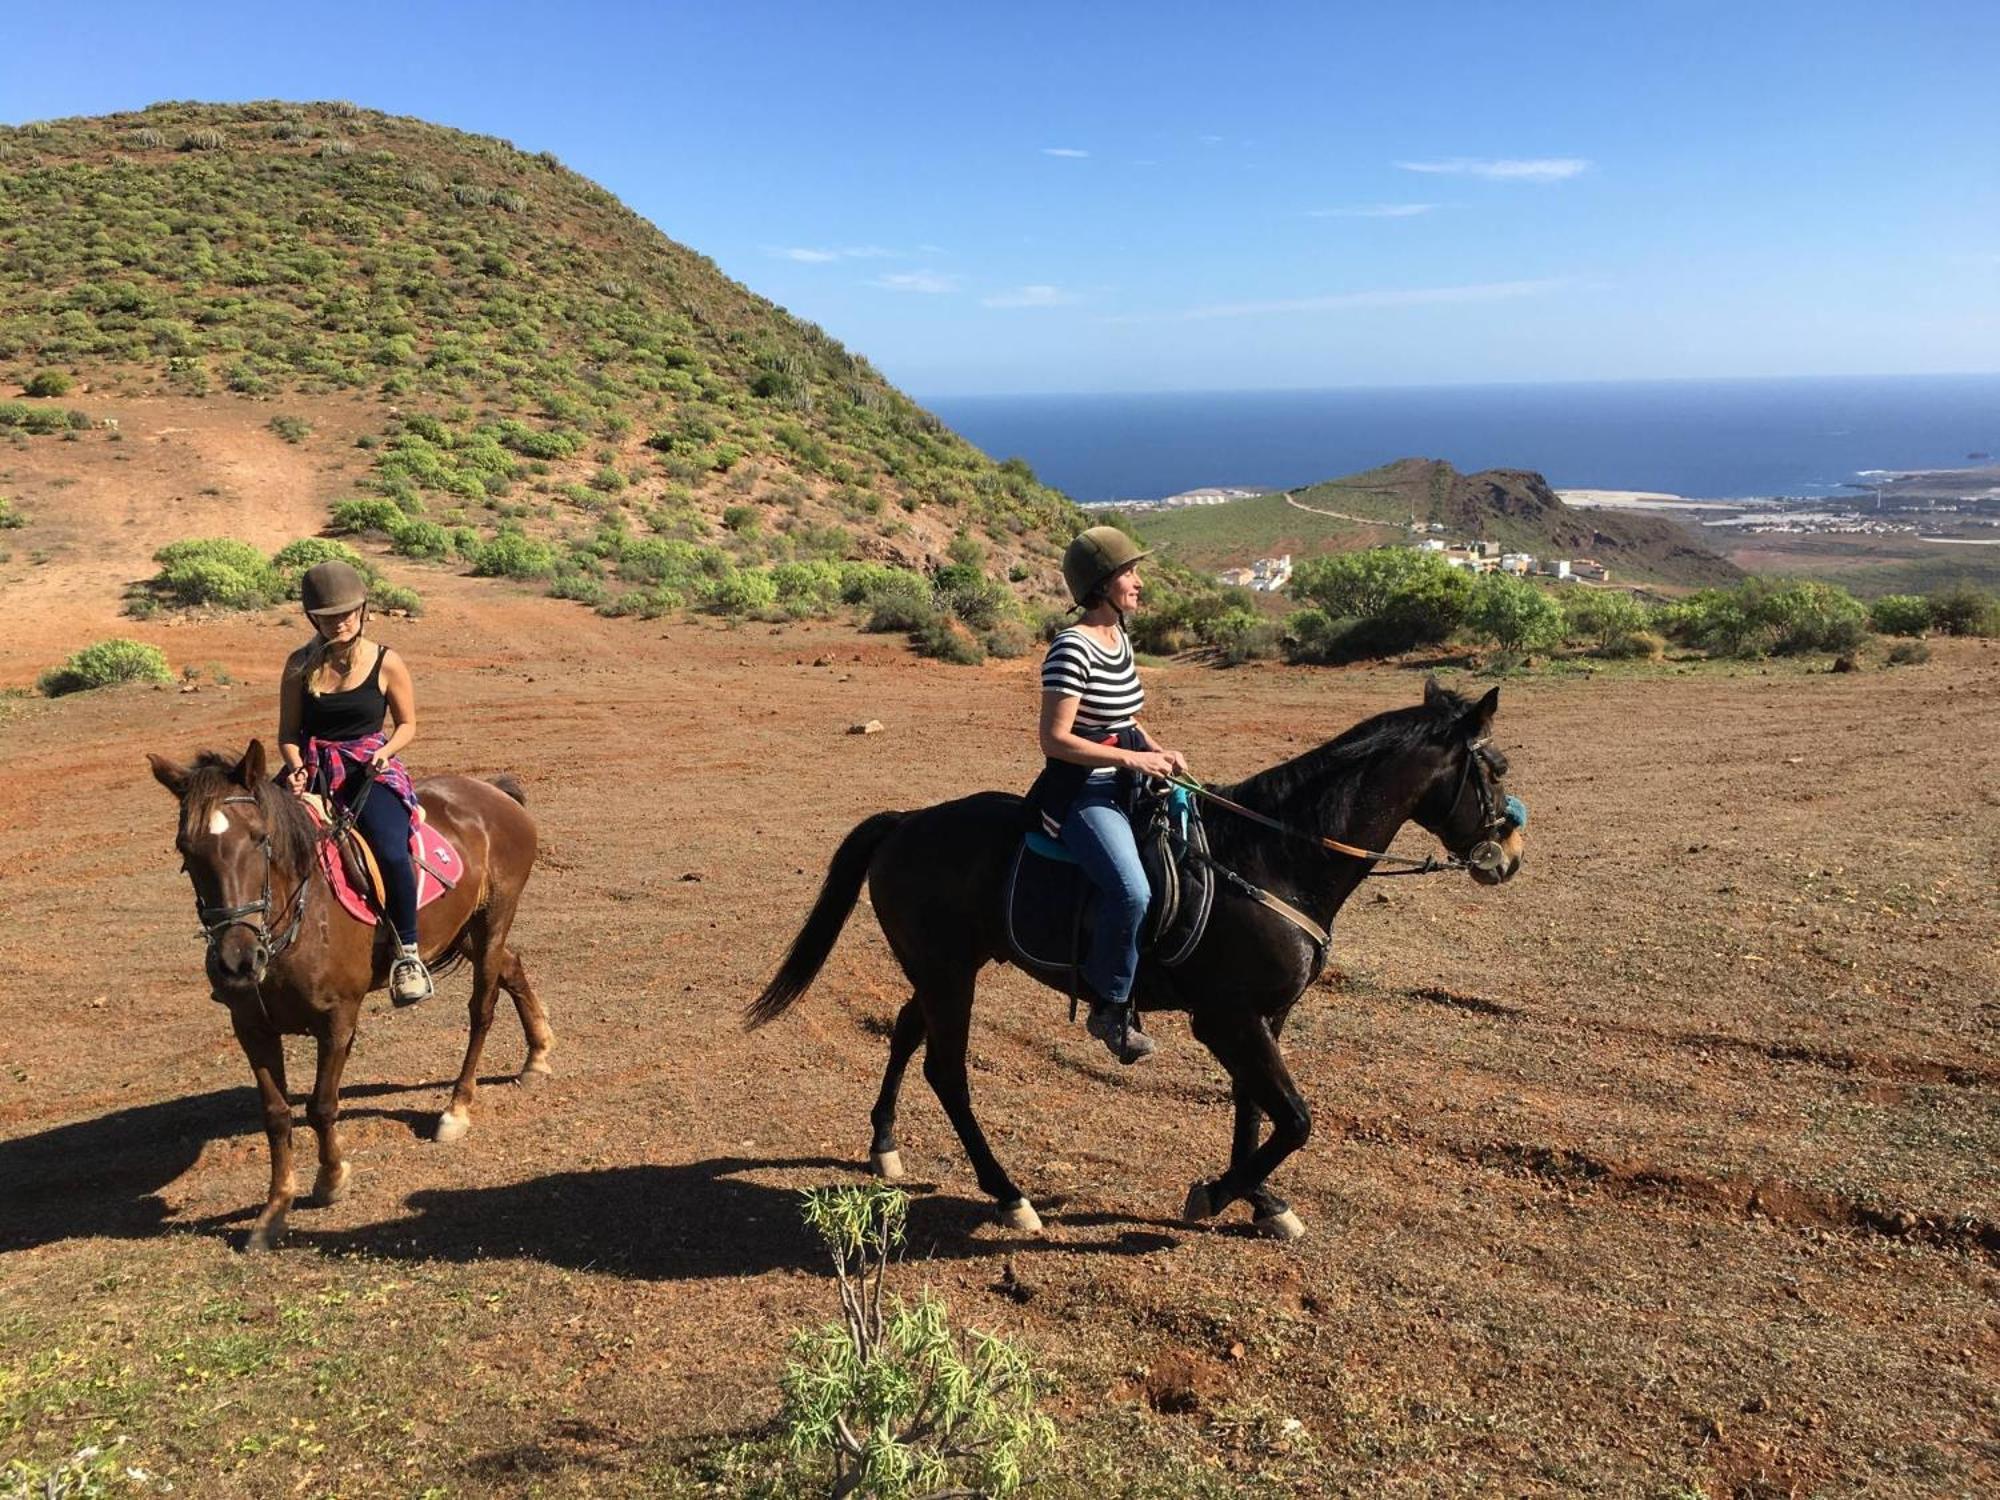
(1704, 439)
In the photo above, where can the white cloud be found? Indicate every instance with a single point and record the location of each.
(1037, 295)
(1504, 169)
(1069, 151)
(1372, 211)
(812, 256)
(1490, 291)
(1211, 140)
(931, 282)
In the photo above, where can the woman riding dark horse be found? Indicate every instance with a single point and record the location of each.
(1097, 750)
(936, 876)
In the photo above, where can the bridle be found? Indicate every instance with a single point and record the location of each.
(1486, 854)
(216, 921)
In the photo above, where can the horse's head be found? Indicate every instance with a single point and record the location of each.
(232, 831)
(1466, 805)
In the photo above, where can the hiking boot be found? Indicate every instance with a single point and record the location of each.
(409, 980)
(1112, 1025)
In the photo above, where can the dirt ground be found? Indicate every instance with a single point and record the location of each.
(1667, 1170)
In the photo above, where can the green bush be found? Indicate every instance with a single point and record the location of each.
(1765, 616)
(808, 588)
(749, 591)
(219, 571)
(1900, 614)
(967, 594)
(410, 537)
(1239, 635)
(1514, 614)
(10, 518)
(291, 429)
(1397, 597)
(947, 640)
(374, 514)
(104, 663)
(290, 561)
(513, 554)
(1601, 618)
(49, 383)
(901, 602)
(1965, 609)
(384, 595)
(741, 519)
(891, 1399)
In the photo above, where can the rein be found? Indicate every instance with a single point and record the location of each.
(1430, 864)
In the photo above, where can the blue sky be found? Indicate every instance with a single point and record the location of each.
(1159, 196)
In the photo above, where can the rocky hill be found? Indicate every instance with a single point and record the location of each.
(1514, 507)
(530, 356)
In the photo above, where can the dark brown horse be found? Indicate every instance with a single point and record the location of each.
(287, 959)
(935, 878)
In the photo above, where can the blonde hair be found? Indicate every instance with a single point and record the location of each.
(319, 655)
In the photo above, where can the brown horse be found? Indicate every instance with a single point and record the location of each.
(287, 958)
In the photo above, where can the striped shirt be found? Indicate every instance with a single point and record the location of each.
(1106, 683)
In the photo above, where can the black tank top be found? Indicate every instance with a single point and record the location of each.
(352, 715)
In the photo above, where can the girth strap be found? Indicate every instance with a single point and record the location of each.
(1321, 938)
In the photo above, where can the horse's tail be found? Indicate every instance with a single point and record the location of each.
(837, 895)
(511, 787)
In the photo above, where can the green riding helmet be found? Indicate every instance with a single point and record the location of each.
(332, 588)
(1094, 557)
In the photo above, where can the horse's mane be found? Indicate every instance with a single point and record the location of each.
(1332, 770)
(213, 776)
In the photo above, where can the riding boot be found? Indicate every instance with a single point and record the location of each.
(409, 980)
(1111, 1024)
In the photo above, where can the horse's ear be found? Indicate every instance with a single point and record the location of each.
(251, 769)
(169, 775)
(1478, 720)
(1436, 699)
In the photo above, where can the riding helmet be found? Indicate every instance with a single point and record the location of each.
(332, 588)
(1095, 557)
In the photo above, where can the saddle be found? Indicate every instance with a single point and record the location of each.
(1051, 904)
(356, 879)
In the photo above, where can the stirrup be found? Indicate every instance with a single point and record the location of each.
(405, 968)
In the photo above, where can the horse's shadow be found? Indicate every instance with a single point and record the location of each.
(651, 1222)
(103, 1177)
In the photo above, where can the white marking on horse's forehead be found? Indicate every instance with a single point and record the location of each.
(218, 822)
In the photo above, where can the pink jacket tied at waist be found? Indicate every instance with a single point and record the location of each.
(335, 760)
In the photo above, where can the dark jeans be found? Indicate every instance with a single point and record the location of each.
(1099, 834)
(385, 823)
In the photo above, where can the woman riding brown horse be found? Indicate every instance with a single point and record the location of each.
(287, 959)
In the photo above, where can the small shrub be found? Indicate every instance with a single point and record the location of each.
(394, 598)
(103, 664)
(362, 517)
(10, 518)
(949, 641)
(512, 554)
(49, 383)
(741, 519)
(1007, 640)
(291, 429)
(1634, 645)
(1900, 614)
(892, 1397)
(1965, 609)
(749, 591)
(203, 140)
(1514, 614)
(219, 571)
(901, 602)
(1909, 654)
(425, 539)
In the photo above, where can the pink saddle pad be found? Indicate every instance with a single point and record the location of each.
(438, 869)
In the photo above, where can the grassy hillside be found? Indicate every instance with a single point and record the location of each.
(543, 360)
(1509, 506)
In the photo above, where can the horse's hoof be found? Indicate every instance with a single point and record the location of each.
(1286, 1226)
(264, 1237)
(1200, 1203)
(532, 1077)
(332, 1186)
(887, 1165)
(452, 1126)
(1020, 1216)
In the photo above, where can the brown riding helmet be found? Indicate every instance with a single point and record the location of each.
(1095, 557)
(332, 588)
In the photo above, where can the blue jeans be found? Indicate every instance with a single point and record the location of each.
(385, 822)
(1099, 834)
